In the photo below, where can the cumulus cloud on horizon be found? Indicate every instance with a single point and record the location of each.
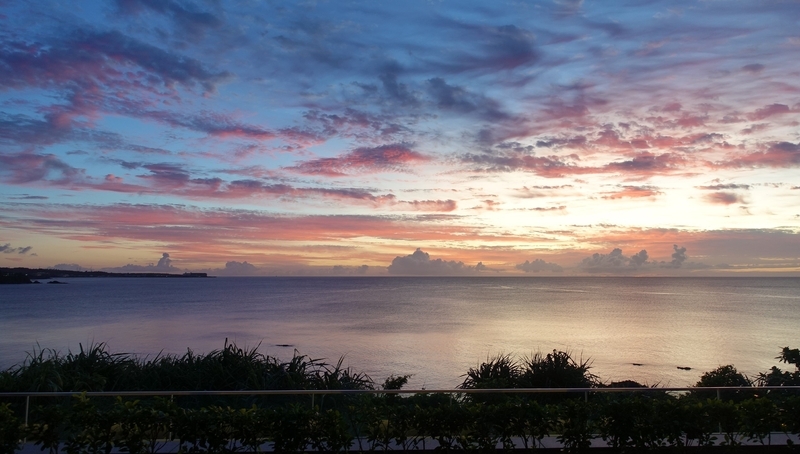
(420, 264)
(539, 265)
(164, 265)
(616, 261)
(342, 270)
(69, 267)
(234, 268)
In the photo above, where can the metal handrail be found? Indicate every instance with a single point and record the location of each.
(314, 392)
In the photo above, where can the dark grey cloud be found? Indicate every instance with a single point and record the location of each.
(614, 261)
(724, 198)
(164, 265)
(69, 267)
(395, 90)
(342, 270)
(678, 257)
(639, 259)
(29, 197)
(719, 187)
(234, 268)
(420, 264)
(753, 68)
(458, 99)
(538, 265)
(164, 261)
(8, 249)
(617, 262)
(191, 20)
(21, 168)
(396, 157)
(92, 58)
(491, 48)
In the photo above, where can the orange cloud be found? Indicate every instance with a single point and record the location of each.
(633, 192)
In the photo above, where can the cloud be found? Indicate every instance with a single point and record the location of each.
(567, 7)
(93, 58)
(639, 259)
(420, 264)
(342, 270)
(443, 206)
(192, 22)
(164, 265)
(615, 261)
(234, 268)
(396, 91)
(227, 227)
(553, 166)
(8, 249)
(776, 155)
(458, 99)
(769, 111)
(164, 262)
(214, 124)
(724, 198)
(69, 267)
(385, 158)
(718, 187)
(633, 192)
(678, 257)
(558, 208)
(489, 48)
(23, 168)
(753, 68)
(538, 265)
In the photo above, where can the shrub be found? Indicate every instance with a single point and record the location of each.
(723, 376)
(556, 370)
(777, 377)
(496, 373)
(10, 429)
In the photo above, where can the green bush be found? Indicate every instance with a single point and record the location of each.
(10, 429)
(646, 419)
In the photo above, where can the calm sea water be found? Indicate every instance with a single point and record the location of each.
(433, 328)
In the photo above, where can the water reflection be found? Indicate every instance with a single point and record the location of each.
(435, 329)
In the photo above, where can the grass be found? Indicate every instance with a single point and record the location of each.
(94, 368)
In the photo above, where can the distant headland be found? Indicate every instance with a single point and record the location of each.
(30, 275)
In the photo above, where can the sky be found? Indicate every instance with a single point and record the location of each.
(530, 138)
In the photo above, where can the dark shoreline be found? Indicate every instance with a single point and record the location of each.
(27, 275)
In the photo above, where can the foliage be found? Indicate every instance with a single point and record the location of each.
(10, 429)
(777, 377)
(723, 376)
(577, 421)
(644, 419)
(94, 368)
(632, 422)
(556, 370)
(499, 372)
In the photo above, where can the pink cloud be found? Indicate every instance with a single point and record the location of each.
(780, 154)
(724, 198)
(429, 205)
(633, 192)
(384, 158)
(769, 111)
(641, 164)
(23, 168)
(193, 227)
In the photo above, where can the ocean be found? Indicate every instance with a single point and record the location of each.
(432, 328)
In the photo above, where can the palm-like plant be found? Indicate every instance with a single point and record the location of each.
(556, 370)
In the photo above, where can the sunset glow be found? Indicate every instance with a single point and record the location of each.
(558, 137)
